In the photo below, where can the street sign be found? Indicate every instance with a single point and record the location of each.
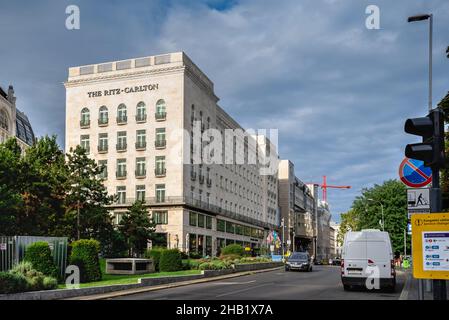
(3, 246)
(414, 174)
(430, 246)
(418, 200)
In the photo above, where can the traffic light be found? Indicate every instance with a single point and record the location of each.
(431, 129)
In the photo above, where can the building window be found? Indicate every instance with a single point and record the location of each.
(161, 113)
(85, 142)
(121, 168)
(160, 166)
(193, 219)
(103, 165)
(160, 138)
(141, 112)
(140, 167)
(208, 222)
(121, 195)
(208, 245)
(85, 117)
(201, 222)
(160, 217)
(221, 225)
(121, 141)
(140, 193)
(160, 193)
(103, 117)
(4, 120)
(103, 142)
(121, 114)
(230, 227)
(141, 139)
(192, 243)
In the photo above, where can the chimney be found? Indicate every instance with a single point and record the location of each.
(11, 97)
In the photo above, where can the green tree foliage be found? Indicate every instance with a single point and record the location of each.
(85, 256)
(137, 227)
(444, 104)
(170, 260)
(234, 249)
(349, 222)
(366, 214)
(86, 192)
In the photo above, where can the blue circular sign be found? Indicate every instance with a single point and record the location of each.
(414, 174)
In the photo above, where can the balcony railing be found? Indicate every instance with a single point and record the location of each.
(120, 174)
(160, 172)
(103, 122)
(122, 120)
(121, 146)
(160, 116)
(141, 145)
(141, 118)
(209, 182)
(102, 148)
(193, 175)
(141, 173)
(84, 124)
(160, 144)
(201, 178)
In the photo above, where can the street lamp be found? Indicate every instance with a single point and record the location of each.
(430, 18)
(382, 209)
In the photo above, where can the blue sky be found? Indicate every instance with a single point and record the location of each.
(338, 92)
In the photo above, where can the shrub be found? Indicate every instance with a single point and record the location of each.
(233, 249)
(170, 260)
(34, 279)
(155, 255)
(195, 255)
(85, 256)
(214, 265)
(12, 283)
(50, 283)
(39, 255)
(229, 257)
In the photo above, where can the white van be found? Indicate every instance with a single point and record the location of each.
(367, 254)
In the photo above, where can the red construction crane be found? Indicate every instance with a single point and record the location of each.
(324, 187)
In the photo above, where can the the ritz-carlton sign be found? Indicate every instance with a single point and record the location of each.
(118, 91)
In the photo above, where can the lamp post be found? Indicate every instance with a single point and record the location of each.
(382, 210)
(430, 18)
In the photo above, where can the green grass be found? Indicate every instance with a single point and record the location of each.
(110, 279)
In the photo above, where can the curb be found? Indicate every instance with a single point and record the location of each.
(167, 286)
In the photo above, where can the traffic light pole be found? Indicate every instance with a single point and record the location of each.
(439, 286)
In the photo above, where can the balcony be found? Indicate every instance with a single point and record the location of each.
(160, 172)
(102, 148)
(140, 118)
(120, 175)
(103, 122)
(193, 175)
(160, 144)
(121, 147)
(201, 178)
(142, 145)
(160, 116)
(209, 182)
(141, 174)
(84, 124)
(122, 120)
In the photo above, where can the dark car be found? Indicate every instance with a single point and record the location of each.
(298, 261)
(336, 262)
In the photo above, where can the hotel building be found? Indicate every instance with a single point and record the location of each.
(13, 122)
(136, 118)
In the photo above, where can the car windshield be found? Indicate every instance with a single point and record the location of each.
(298, 256)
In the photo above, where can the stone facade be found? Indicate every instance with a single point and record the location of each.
(136, 117)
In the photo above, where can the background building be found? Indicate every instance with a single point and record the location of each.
(128, 114)
(13, 122)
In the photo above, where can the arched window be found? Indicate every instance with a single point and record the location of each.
(161, 111)
(4, 120)
(85, 117)
(121, 114)
(141, 111)
(103, 115)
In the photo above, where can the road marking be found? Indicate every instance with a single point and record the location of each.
(229, 282)
(242, 290)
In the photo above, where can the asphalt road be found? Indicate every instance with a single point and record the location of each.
(323, 283)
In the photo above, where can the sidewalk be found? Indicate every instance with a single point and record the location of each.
(410, 290)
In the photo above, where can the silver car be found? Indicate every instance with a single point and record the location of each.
(298, 261)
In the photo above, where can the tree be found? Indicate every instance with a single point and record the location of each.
(366, 214)
(444, 104)
(87, 195)
(349, 222)
(137, 227)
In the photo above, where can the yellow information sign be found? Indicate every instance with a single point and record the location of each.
(430, 246)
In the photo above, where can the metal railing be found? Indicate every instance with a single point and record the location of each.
(103, 148)
(141, 117)
(141, 145)
(161, 172)
(103, 121)
(160, 116)
(141, 173)
(159, 144)
(122, 120)
(120, 174)
(121, 146)
(85, 123)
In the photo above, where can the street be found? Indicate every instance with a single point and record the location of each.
(323, 283)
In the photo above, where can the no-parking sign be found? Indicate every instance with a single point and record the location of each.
(414, 174)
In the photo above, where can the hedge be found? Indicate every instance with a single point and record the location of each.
(155, 255)
(39, 255)
(233, 249)
(23, 278)
(170, 260)
(12, 283)
(85, 256)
